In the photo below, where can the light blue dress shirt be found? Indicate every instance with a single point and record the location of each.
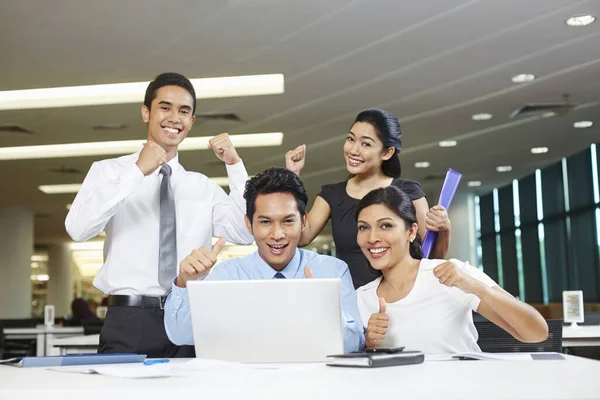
(178, 323)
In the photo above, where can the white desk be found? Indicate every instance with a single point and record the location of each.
(491, 380)
(583, 335)
(42, 334)
(73, 345)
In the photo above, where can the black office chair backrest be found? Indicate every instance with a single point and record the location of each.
(493, 339)
(22, 323)
(92, 326)
(591, 318)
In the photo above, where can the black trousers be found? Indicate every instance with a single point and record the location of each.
(139, 330)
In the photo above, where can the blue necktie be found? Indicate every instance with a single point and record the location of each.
(167, 250)
(279, 275)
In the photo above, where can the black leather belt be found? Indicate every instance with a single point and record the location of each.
(120, 300)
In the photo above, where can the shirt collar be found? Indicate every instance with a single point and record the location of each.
(267, 272)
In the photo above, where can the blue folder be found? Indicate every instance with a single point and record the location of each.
(74, 359)
(446, 195)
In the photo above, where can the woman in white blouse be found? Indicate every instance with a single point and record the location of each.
(427, 304)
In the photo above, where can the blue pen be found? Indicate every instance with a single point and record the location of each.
(152, 362)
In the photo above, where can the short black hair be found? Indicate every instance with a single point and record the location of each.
(168, 79)
(275, 180)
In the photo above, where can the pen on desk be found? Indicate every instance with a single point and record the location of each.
(152, 362)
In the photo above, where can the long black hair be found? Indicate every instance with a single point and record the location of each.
(398, 202)
(388, 131)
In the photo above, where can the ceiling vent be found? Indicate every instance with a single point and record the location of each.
(11, 129)
(219, 117)
(545, 109)
(109, 127)
(430, 178)
(66, 171)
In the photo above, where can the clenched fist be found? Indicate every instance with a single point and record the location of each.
(295, 159)
(223, 148)
(151, 157)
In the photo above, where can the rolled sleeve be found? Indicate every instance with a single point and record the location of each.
(354, 334)
(178, 319)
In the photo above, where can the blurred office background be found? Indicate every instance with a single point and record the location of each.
(505, 92)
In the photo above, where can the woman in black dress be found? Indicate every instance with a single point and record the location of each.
(371, 153)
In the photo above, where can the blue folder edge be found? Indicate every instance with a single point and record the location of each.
(446, 195)
(74, 359)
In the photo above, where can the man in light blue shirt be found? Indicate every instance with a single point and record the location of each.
(276, 216)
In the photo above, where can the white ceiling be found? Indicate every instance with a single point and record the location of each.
(432, 63)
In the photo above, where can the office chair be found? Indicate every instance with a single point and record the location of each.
(493, 339)
(591, 318)
(92, 326)
(10, 348)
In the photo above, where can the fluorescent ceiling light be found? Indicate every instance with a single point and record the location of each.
(474, 183)
(448, 143)
(133, 92)
(583, 124)
(89, 245)
(504, 168)
(481, 117)
(129, 146)
(422, 164)
(581, 20)
(59, 189)
(522, 78)
(548, 114)
(39, 257)
(75, 187)
(539, 150)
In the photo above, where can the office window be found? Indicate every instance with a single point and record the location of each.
(541, 235)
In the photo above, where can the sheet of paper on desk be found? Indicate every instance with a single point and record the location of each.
(480, 356)
(122, 371)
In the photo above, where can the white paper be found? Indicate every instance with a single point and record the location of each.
(480, 356)
(122, 371)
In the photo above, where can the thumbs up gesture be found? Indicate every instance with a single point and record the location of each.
(308, 273)
(198, 263)
(377, 326)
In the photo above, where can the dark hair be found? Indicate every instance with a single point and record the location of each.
(81, 310)
(388, 131)
(275, 180)
(398, 202)
(168, 79)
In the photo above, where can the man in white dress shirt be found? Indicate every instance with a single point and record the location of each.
(155, 213)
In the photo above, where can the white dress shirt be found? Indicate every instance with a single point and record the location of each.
(118, 198)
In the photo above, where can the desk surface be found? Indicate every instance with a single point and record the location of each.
(570, 378)
(43, 329)
(89, 340)
(581, 331)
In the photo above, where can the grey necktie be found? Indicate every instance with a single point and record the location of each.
(167, 250)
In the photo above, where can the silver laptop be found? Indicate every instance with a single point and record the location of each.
(267, 321)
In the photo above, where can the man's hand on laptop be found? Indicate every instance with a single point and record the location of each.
(198, 263)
